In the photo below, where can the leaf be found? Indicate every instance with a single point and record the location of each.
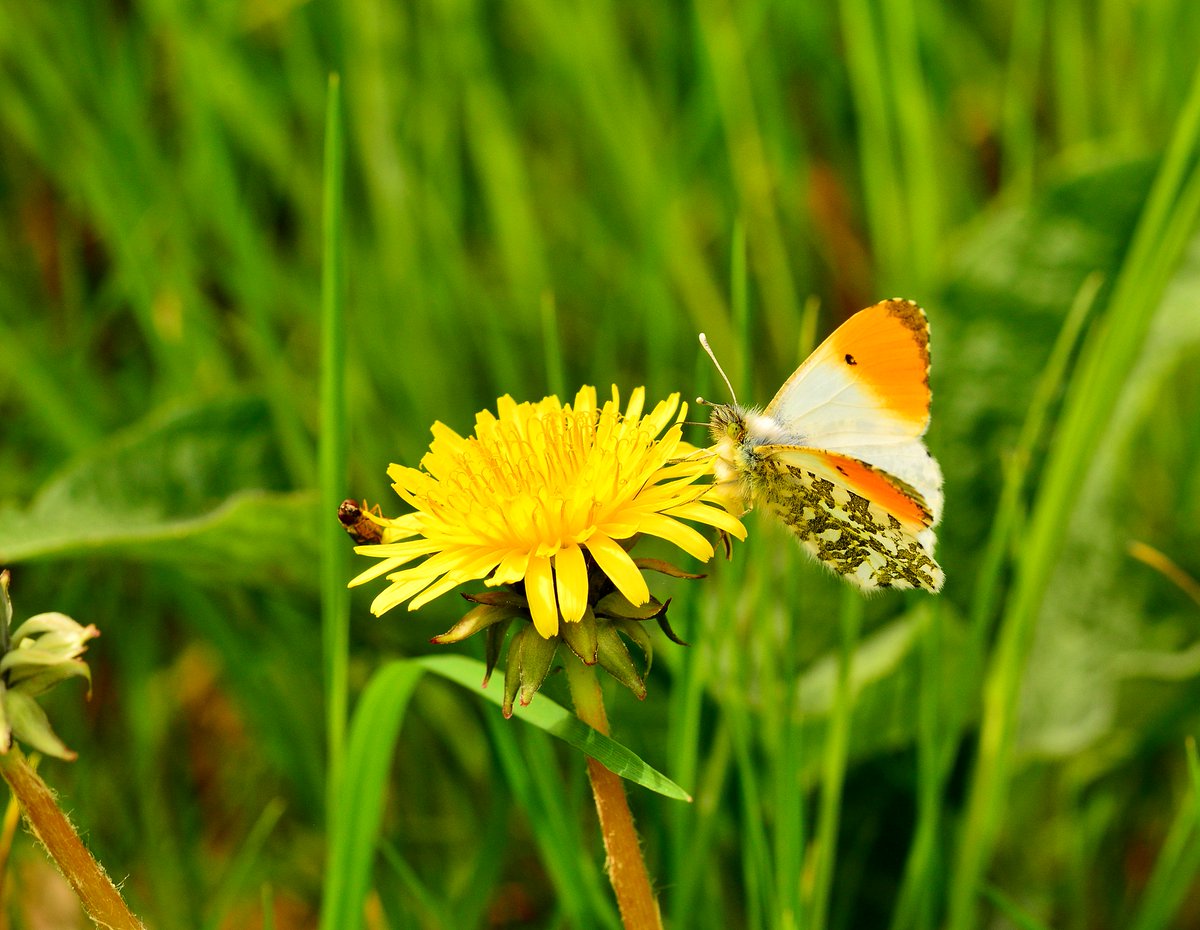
(31, 726)
(355, 829)
(885, 681)
(546, 715)
(192, 488)
(374, 729)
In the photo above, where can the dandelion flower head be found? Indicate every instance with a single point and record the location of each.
(541, 492)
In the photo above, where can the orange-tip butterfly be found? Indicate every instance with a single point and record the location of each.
(837, 454)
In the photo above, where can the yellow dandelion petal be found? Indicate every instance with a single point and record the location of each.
(585, 398)
(511, 568)
(539, 494)
(466, 569)
(710, 514)
(397, 594)
(678, 533)
(571, 583)
(664, 412)
(390, 564)
(637, 401)
(539, 590)
(620, 568)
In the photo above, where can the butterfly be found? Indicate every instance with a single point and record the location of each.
(838, 455)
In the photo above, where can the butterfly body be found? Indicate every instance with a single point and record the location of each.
(838, 457)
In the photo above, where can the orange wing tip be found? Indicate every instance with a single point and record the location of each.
(885, 349)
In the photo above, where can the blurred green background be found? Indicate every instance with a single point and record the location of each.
(540, 195)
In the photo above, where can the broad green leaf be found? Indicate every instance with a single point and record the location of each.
(546, 715)
(374, 728)
(192, 488)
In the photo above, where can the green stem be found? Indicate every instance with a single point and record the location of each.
(626, 867)
(100, 898)
(833, 768)
(335, 599)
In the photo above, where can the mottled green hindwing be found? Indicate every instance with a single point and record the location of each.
(847, 532)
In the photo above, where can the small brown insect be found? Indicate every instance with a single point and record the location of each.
(358, 523)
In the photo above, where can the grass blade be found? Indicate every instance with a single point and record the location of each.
(1178, 861)
(546, 715)
(355, 818)
(833, 767)
(1165, 227)
(335, 598)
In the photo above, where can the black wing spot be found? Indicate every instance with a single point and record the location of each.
(842, 470)
(850, 359)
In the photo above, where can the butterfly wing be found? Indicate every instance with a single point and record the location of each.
(863, 523)
(864, 393)
(876, 362)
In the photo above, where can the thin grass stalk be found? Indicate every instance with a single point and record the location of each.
(534, 784)
(916, 903)
(332, 450)
(686, 697)
(626, 867)
(1163, 231)
(881, 180)
(754, 174)
(1018, 132)
(1070, 49)
(833, 766)
(1020, 918)
(756, 860)
(739, 305)
(556, 377)
(97, 893)
(224, 897)
(910, 114)
(710, 790)
(789, 816)
(1178, 861)
(987, 586)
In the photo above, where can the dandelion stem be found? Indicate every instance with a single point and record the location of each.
(626, 867)
(100, 898)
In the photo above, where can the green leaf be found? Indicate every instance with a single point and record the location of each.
(544, 714)
(190, 489)
(356, 818)
(31, 726)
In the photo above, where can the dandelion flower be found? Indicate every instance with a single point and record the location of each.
(540, 494)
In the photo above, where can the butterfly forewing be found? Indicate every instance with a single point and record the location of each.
(867, 383)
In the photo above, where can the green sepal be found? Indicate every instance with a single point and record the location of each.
(617, 605)
(512, 670)
(537, 655)
(638, 635)
(5, 729)
(54, 631)
(497, 599)
(31, 726)
(477, 618)
(6, 613)
(39, 682)
(665, 626)
(615, 659)
(581, 637)
(495, 642)
(666, 568)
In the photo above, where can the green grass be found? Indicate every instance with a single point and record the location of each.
(233, 290)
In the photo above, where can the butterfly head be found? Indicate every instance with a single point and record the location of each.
(729, 425)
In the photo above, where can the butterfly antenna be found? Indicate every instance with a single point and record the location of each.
(724, 377)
